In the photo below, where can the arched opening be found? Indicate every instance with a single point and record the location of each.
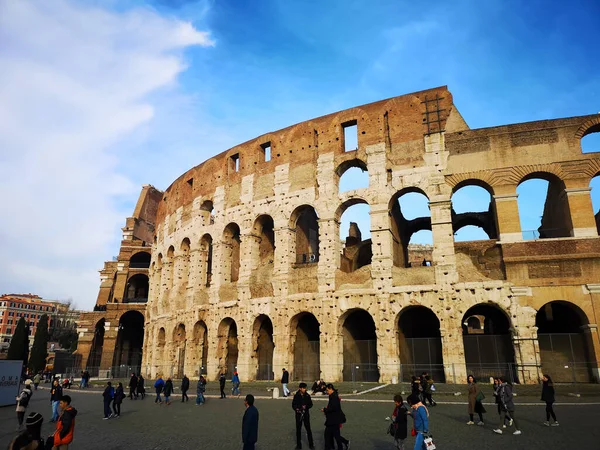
(489, 351)
(201, 347)
(179, 344)
(473, 211)
(183, 266)
(227, 350)
(359, 347)
(353, 174)
(420, 343)
(306, 336)
(93, 363)
(595, 194)
(161, 341)
(590, 142)
(304, 222)
(262, 336)
(206, 247)
(564, 346)
(137, 289)
(355, 232)
(262, 257)
(543, 207)
(128, 349)
(264, 229)
(231, 253)
(207, 212)
(409, 217)
(140, 260)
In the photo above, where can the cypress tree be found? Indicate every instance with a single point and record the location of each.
(19, 344)
(39, 352)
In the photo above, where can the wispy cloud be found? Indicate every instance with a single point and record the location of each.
(76, 83)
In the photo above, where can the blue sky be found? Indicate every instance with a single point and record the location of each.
(149, 89)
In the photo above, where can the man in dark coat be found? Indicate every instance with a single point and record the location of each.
(133, 382)
(285, 379)
(222, 384)
(334, 417)
(185, 385)
(250, 424)
(301, 405)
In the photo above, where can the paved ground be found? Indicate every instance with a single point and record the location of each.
(217, 425)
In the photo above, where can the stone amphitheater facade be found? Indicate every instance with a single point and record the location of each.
(248, 272)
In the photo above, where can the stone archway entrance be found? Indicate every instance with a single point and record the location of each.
(306, 335)
(130, 339)
(93, 363)
(262, 337)
(227, 350)
(359, 347)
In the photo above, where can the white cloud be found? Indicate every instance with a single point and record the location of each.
(76, 82)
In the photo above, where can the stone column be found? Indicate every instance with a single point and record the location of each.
(329, 253)
(580, 208)
(388, 358)
(108, 347)
(249, 260)
(591, 330)
(283, 355)
(507, 214)
(246, 363)
(453, 349)
(284, 258)
(382, 246)
(444, 257)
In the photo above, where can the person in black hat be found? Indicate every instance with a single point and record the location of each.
(301, 404)
(31, 438)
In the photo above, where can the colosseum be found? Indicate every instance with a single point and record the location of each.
(239, 263)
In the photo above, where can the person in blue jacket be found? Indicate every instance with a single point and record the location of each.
(108, 396)
(159, 385)
(235, 379)
(250, 424)
(421, 419)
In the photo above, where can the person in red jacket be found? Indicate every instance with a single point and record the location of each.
(65, 426)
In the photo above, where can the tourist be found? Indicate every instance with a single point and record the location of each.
(421, 420)
(159, 385)
(505, 394)
(185, 385)
(65, 426)
(119, 396)
(250, 423)
(548, 397)
(301, 405)
(416, 388)
(334, 418)
(36, 380)
(222, 384)
(133, 382)
(427, 385)
(86, 374)
(200, 389)
(475, 399)
(31, 438)
(168, 390)
(399, 422)
(82, 381)
(498, 401)
(108, 395)
(285, 379)
(55, 395)
(23, 402)
(318, 387)
(235, 379)
(141, 390)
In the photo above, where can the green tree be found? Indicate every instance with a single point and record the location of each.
(39, 351)
(19, 344)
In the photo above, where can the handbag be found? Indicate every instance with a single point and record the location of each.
(480, 396)
(392, 429)
(428, 441)
(343, 416)
(413, 432)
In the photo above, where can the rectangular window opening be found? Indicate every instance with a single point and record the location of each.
(190, 182)
(266, 148)
(350, 136)
(234, 163)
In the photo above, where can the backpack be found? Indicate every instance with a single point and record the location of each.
(25, 400)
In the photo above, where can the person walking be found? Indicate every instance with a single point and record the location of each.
(503, 418)
(285, 379)
(235, 379)
(36, 381)
(548, 397)
(133, 382)
(159, 385)
(505, 395)
(108, 395)
(334, 418)
(427, 385)
(141, 390)
(416, 388)
(22, 403)
(475, 401)
(222, 384)
(55, 395)
(65, 427)
(119, 396)
(301, 405)
(31, 438)
(250, 424)
(421, 420)
(200, 389)
(399, 422)
(168, 390)
(185, 385)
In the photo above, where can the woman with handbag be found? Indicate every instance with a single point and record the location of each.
(399, 422)
(334, 418)
(475, 401)
(420, 415)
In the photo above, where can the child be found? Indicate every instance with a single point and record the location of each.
(399, 422)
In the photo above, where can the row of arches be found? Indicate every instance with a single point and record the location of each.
(487, 338)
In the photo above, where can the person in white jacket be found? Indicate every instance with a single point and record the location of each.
(23, 402)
